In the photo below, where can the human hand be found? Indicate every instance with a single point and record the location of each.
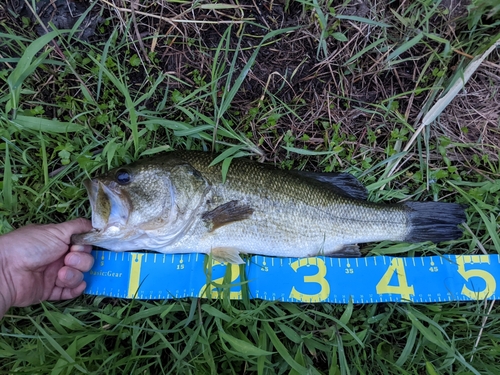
(38, 263)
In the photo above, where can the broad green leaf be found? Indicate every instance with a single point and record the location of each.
(408, 349)
(4, 36)
(431, 370)
(28, 55)
(243, 347)
(193, 130)
(212, 311)
(340, 37)
(46, 125)
(25, 66)
(346, 316)
(156, 150)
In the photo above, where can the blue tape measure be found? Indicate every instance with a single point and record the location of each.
(318, 279)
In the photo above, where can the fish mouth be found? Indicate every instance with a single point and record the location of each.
(110, 207)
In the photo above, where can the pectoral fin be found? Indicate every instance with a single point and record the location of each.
(227, 255)
(226, 214)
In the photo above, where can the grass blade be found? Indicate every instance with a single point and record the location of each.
(25, 66)
(491, 225)
(365, 50)
(302, 151)
(460, 81)
(7, 181)
(282, 349)
(58, 347)
(243, 347)
(405, 46)
(362, 20)
(129, 104)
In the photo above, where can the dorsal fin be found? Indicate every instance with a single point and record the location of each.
(344, 184)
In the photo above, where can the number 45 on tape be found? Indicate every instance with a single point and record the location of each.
(317, 279)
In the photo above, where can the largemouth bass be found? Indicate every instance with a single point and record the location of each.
(178, 203)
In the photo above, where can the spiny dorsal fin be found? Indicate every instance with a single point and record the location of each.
(344, 184)
(226, 213)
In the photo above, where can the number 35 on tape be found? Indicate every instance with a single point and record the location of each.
(317, 279)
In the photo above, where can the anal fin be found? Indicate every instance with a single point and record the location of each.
(227, 255)
(348, 251)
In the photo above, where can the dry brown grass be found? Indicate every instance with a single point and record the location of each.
(326, 88)
(473, 118)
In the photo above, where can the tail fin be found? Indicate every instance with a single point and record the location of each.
(434, 221)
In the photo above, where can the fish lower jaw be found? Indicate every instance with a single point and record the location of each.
(111, 229)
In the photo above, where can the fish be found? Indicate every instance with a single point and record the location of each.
(179, 203)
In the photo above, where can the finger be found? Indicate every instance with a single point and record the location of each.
(59, 293)
(81, 248)
(69, 277)
(69, 293)
(80, 261)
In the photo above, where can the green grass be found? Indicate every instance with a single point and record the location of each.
(350, 95)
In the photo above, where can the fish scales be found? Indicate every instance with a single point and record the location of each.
(299, 217)
(179, 203)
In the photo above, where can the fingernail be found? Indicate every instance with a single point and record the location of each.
(73, 260)
(77, 247)
(70, 274)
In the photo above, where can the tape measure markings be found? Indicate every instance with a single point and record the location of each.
(316, 279)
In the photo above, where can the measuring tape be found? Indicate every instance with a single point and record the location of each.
(318, 279)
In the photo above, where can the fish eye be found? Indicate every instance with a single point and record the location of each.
(123, 176)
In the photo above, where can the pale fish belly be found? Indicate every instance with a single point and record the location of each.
(297, 232)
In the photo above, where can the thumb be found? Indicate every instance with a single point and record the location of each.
(68, 228)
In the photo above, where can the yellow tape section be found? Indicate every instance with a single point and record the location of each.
(135, 275)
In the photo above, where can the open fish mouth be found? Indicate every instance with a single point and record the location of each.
(109, 206)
